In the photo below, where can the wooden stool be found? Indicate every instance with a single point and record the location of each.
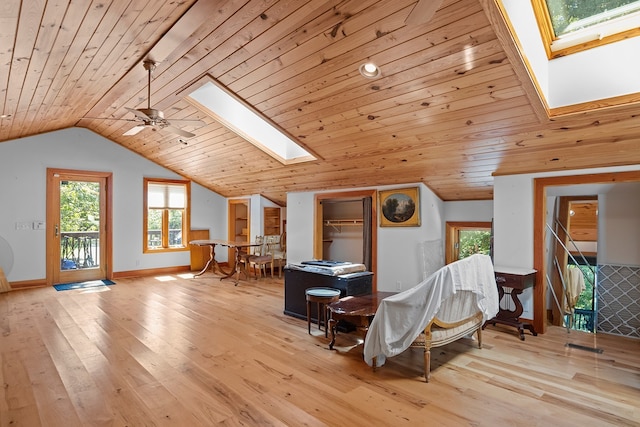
(321, 296)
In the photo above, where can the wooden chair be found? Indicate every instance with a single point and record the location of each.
(279, 250)
(261, 258)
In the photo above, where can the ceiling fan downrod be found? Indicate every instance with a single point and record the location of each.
(149, 65)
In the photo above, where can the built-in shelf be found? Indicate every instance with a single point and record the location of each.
(337, 224)
(271, 224)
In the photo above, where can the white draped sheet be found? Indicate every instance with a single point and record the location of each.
(402, 317)
(575, 286)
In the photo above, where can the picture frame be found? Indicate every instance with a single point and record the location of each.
(400, 207)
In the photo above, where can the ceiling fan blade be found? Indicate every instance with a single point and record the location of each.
(178, 131)
(423, 12)
(188, 122)
(134, 130)
(108, 118)
(139, 114)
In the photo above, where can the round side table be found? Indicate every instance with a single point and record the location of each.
(322, 297)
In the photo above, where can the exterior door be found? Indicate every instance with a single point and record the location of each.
(78, 248)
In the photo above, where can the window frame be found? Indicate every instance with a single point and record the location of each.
(543, 19)
(186, 217)
(452, 236)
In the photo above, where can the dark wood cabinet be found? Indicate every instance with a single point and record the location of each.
(297, 281)
(511, 282)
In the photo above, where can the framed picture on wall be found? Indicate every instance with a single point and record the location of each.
(400, 207)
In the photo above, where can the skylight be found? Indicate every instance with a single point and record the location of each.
(570, 26)
(588, 80)
(229, 111)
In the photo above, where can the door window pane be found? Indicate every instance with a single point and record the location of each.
(79, 224)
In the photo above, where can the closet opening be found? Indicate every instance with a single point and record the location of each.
(345, 228)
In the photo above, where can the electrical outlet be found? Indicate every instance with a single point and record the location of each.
(398, 285)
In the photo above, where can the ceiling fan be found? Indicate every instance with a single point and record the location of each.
(153, 118)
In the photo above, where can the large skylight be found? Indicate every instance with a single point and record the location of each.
(586, 80)
(229, 111)
(570, 26)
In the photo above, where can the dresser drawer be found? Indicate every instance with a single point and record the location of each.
(515, 281)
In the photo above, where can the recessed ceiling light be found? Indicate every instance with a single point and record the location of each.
(370, 70)
(5, 116)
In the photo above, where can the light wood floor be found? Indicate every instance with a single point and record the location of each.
(200, 352)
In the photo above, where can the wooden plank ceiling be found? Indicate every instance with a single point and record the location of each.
(452, 108)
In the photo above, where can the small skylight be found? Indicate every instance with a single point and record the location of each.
(229, 111)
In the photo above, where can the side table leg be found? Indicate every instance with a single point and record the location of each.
(332, 325)
(529, 326)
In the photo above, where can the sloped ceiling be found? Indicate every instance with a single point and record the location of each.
(454, 104)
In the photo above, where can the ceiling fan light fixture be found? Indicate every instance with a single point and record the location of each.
(369, 70)
(153, 118)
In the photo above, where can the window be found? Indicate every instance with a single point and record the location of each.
(467, 238)
(166, 214)
(569, 26)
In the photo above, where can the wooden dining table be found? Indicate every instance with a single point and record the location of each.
(238, 267)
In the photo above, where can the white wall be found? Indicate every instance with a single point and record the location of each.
(300, 226)
(473, 210)
(345, 242)
(23, 165)
(619, 225)
(399, 254)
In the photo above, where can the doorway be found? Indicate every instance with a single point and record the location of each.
(78, 216)
(363, 222)
(572, 261)
(541, 185)
(239, 223)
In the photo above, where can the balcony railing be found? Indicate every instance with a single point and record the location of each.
(79, 249)
(583, 319)
(154, 238)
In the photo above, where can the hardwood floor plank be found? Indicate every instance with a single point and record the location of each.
(16, 393)
(204, 352)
